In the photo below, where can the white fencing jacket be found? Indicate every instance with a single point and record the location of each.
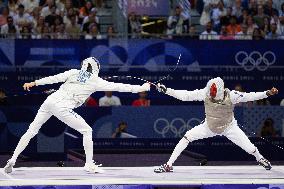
(79, 85)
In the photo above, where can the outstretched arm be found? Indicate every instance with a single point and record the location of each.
(237, 97)
(62, 77)
(104, 85)
(184, 95)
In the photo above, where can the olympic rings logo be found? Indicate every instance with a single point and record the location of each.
(255, 60)
(176, 127)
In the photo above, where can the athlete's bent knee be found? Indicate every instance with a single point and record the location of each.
(87, 133)
(186, 138)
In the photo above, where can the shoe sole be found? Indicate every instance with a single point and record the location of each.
(8, 170)
(96, 171)
(163, 171)
(269, 168)
(266, 168)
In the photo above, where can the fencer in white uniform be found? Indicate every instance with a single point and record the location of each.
(219, 109)
(77, 86)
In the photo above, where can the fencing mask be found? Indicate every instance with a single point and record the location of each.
(91, 65)
(215, 88)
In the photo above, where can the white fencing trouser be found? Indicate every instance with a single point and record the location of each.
(233, 133)
(237, 136)
(63, 110)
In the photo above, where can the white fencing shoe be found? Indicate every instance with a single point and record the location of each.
(9, 166)
(93, 168)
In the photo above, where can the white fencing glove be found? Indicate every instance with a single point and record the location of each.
(161, 88)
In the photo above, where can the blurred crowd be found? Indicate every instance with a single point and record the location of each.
(51, 19)
(224, 20)
(77, 19)
(243, 19)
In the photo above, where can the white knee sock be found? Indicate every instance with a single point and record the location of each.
(256, 154)
(177, 151)
(88, 147)
(23, 143)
